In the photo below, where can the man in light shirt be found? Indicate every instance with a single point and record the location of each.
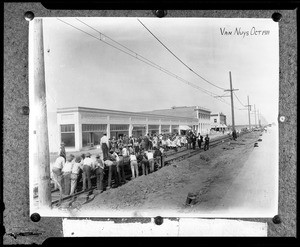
(57, 173)
(67, 170)
(151, 160)
(134, 165)
(120, 167)
(88, 165)
(75, 173)
(104, 143)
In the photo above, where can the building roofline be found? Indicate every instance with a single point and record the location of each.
(216, 114)
(107, 111)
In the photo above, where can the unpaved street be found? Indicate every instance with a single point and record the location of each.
(211, 175)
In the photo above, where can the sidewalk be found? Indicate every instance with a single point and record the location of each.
(255, 190)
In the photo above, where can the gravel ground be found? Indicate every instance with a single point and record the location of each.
(208, 175)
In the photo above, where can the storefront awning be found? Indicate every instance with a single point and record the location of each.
(184, 127)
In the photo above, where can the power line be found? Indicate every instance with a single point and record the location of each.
(150, 63)
(180, 59)
(238, 99)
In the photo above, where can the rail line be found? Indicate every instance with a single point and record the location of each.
(167, 158)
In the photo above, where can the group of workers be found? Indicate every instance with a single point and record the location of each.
(144, 151)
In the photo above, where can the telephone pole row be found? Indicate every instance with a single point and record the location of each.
(249, 109)
(232, 106)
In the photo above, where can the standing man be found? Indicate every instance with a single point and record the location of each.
(57, 173)
(134, 166)
(194, 138)
(104, 143)
(234, 135)
(88, 165)
(75, 173)
(206, 143)
(112, 170)
(120, 168)
(151, 160)
(200, 140)
(99, 168)
(113, 143)
(189, 140)
(125, 140)
(67, 170)
(146, 141)
(157, 157)
(145, 162)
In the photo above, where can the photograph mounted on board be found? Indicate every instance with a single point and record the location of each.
(140, 117)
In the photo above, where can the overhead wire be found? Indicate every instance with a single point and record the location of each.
(239, 99)
(145, 60)
(179, 58)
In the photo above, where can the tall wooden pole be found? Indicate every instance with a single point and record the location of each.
(44, 190)
(232, 107)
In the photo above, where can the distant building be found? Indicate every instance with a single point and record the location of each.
(201, 114)
(218, 121)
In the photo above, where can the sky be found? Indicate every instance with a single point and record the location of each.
(83, 71)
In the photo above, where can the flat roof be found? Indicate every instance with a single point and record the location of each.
(116, 112)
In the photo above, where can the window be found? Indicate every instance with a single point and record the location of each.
(68, 134)
(153, 127)
(94, 127)
(119, 127)
(65, 128)
(215, 120)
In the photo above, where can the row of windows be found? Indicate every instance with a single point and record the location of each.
(203, 116)
(67, 128)
(94, 127)
(119, 127)
(153, 127)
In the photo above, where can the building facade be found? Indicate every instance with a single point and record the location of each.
(218, 121)
(201, 114)
(79, 127)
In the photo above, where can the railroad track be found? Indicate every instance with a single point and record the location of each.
(167, 158)
(190, 152)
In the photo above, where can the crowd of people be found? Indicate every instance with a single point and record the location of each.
(142, 155)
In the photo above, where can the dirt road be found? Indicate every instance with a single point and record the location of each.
(209, 175)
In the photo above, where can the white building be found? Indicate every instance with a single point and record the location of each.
(218, 121)
(79, 127)
(200, 113)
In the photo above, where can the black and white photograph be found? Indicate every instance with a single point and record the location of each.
(140, 117)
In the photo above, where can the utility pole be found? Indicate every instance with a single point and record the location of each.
(43, 159)
(249, 109)
(258, 118)
(232, 107)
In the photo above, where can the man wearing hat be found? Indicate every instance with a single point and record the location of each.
(87, 169)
